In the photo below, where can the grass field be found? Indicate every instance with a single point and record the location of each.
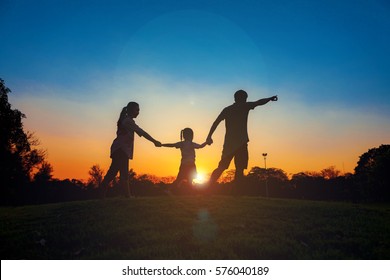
(195, 227)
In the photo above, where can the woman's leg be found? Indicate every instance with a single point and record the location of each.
(124, 175)
(117, 163)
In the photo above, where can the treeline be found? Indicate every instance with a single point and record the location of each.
(26, 176)
(270, 182)
(273, 182)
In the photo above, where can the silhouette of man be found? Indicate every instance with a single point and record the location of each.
(236, 136)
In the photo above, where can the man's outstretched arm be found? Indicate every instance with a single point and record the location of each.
(265, 100)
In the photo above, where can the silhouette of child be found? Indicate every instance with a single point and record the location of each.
(187, 170)
(122, 147)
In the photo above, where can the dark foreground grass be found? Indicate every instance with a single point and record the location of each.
(196, 227)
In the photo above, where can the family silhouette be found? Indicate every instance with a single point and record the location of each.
(235, 143)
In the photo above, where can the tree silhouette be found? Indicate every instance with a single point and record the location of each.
(330, 172)
(275, 174)
(95, 176)
(372, 174)
(45, 173)
(18, 158)
(274, 179)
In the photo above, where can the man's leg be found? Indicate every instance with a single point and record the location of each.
(216, 174)
(241, 162)
(241, 158)
(222, 166)
(239, 175)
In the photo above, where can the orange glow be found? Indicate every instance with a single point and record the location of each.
(72, 157)
(200, 178)
(77, 136)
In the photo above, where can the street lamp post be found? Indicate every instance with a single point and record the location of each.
(266, 175)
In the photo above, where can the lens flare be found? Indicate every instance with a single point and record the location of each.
(200, 178)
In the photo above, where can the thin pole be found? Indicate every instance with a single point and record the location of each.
(266, 175)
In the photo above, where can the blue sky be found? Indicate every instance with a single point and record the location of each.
(337, 48)
(72, 64)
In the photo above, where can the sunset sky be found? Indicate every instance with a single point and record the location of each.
(72, 66)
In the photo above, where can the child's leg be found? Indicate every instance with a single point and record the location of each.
(179, 178)
(191, 174)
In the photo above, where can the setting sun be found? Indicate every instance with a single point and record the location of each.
(200, 178)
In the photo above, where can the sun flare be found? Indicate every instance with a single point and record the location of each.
(200, 178)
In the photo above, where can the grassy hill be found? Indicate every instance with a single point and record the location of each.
(195, 227)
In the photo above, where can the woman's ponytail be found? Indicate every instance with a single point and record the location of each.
(125, 112)
(122, 116)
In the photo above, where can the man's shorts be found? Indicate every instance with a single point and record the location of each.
(240, 156)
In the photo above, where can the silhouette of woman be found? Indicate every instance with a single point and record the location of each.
(187, 170)
(123, 146)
